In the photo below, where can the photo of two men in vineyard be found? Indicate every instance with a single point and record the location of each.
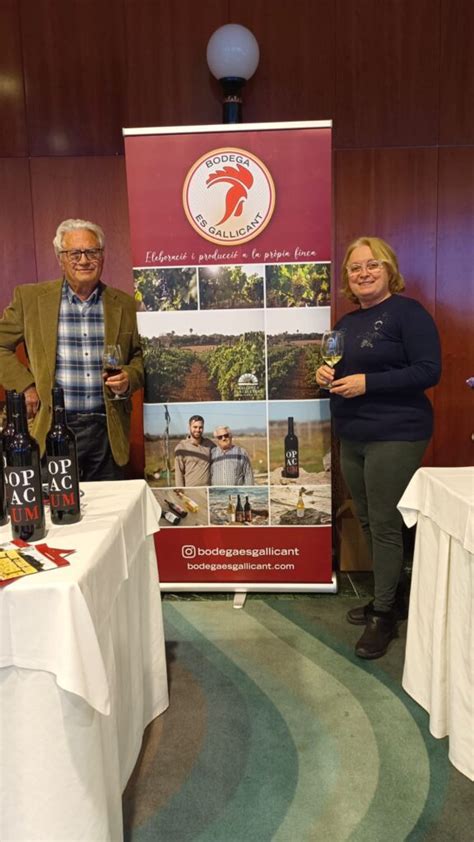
(199, 461)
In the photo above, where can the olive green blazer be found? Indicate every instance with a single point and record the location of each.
(32, 318)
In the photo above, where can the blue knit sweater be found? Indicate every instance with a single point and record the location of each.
(396, 345)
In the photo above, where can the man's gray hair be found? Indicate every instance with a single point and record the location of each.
(218, 430)
(77, 225)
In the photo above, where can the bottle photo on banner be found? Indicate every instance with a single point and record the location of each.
(183, 506)
(300, 463)
(239, 506)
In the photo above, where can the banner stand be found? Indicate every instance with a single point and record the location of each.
(241, 590)
(231, 243)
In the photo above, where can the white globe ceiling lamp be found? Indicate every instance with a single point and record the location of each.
(232, 56)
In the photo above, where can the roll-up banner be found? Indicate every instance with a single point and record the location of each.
(231, 242)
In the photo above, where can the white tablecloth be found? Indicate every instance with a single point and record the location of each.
(439, 660)
(83, 671)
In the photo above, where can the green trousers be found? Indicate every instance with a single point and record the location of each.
(377, 474)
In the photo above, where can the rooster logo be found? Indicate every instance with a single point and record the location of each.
(240, 180)
(243, 203)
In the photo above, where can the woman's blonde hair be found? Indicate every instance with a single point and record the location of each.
(381, 251)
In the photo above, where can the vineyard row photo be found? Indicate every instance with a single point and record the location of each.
(218, 287)
(222, 367)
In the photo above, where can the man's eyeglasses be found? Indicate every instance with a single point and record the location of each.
(372, 266)
(224, 436)
(75, 255)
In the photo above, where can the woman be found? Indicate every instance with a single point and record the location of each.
(381, 416)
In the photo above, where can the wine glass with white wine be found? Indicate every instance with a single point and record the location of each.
(332, 348)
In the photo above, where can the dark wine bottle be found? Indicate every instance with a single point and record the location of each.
(171, 518)
(8, 428)
(63, 471)
(23, 479)
(247, 511)
(239, 512)
(291, 452)
(8, 431)
(3, 496)
(176, 509)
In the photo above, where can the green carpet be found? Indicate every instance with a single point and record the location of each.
(276, 731)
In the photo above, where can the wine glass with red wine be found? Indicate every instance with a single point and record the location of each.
(112, 364)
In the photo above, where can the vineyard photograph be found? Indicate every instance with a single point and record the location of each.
(174, 288)
(312, 427)
(166, 425)
(293, 353)
(230, 287)
(208, 356)
(298, 285)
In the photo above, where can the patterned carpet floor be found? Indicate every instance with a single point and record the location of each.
(276, 731)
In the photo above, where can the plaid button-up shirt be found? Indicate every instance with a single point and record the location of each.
(79, 350)
(231, 467)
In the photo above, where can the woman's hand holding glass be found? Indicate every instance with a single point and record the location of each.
(332, 349)
(324, 376)
(115, 378)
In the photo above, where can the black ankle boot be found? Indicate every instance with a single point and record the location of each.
(381, 628)
(358, 616)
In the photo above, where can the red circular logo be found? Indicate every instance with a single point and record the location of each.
(229, 196)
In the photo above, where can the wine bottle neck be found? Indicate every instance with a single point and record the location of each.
(9, 397)
(58, 398)
(59, 416)
(20, 420)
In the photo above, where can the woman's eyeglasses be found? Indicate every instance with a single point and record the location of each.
(372, 266)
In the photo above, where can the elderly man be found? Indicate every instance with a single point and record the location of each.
(65, 325)
(192, 456)
(230, 464)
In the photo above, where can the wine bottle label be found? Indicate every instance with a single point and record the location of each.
(171, 518)
(24, 494)
(63, 487)
(3, 497)
(291, 463)
(177, 510)
(190, 504)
